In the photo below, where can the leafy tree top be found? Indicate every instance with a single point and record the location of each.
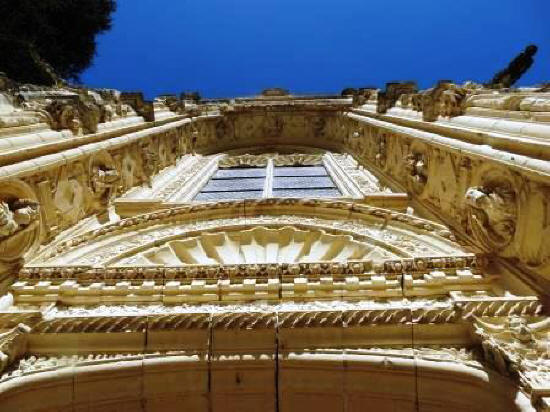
(61, 33)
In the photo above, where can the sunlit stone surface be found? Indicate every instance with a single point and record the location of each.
(381, 250)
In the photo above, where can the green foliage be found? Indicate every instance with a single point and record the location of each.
(59, 32)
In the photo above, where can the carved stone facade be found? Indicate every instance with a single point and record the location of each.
(421, 286)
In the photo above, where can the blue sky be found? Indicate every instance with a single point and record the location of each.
(239, 47)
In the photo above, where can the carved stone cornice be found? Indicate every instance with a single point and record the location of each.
(489, 197)
(246, 320)
(97, 324)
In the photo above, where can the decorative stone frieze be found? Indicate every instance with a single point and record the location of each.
(241, 292)
(468, 186)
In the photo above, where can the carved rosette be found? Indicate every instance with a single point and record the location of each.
(493, 210)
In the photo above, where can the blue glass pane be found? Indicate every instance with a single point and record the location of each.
(300, 171)
(302, 182)
(234, 185)
(306, 193)
(213, 196)
(240, 172)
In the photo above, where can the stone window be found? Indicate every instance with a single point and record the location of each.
(268, 181)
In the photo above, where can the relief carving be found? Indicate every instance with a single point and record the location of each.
(446, 99)
(416, 165)
(518, 347)
(19, 220)
(69, 196)
(13, 345)
(224, 129)
(492, 214)
(129, 169)
(104, 178)
(64, 116)
(273, 126)
(380, 145)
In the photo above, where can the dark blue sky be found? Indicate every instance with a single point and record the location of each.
(238, 47)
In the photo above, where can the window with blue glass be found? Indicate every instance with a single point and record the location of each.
(269, 181)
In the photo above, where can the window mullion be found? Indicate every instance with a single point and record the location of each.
(268, 186)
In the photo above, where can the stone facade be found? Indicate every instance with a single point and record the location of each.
(421, 286)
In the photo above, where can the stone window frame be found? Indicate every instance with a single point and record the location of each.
(345, 184)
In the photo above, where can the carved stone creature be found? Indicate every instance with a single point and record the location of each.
(13, 345)
(64, 115)
(90, 115)
(103, 179)
(451, 102)
(492, 215)
(517, 67)
(416, 102)
(445, 99)
(388, 98)
(362, 96)
(16, 216)
(416, 167)
(139, 105)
